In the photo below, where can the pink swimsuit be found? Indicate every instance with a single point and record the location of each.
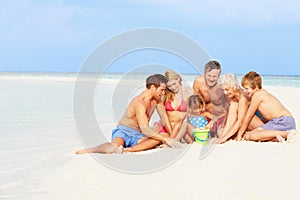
(181, 108)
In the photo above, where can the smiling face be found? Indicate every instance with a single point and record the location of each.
(228, 91)
(174, 85)
(159, 91)
(211, 77)
(196, 105)
(249, 91)
(196, 109)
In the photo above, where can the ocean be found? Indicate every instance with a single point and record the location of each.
(268, 80)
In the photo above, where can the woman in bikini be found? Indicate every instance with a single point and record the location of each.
(174, 106)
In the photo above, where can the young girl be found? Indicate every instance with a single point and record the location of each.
(197, 117)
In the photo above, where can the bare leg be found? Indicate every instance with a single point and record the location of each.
(264, 135)
(182, 131)
(188, 139)
(291, 136)
(209, 107)
(220, 132)
(144, 144)
(186, 133)
(280, 138)
(255, 123)
(114, 147)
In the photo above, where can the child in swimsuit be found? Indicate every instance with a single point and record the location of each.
(280, 123)
(198, 118)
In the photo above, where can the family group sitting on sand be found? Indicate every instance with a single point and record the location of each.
(216, 102)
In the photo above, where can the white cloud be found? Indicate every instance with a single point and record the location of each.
(247, 12)
(57, 20)
(40, 20)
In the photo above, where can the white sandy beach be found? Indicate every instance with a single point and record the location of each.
(38, 138)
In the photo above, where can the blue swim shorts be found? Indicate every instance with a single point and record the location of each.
(284, 123)
(130, 135)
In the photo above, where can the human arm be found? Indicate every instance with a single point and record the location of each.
(163, 116)
(209, 117)
(175, 130)
(199, 87)
(179, 128)
(182, 131)
(219, 98)
(255, 102)
(143, 123)
(242, 110)
(232, 117)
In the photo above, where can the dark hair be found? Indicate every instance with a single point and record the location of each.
(252, 79)
(212, 65)
(156, 80)
(197, 100)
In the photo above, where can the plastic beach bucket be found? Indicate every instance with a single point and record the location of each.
(201, 135)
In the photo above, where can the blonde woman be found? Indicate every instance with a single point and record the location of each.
(238, 103)
(173, 108)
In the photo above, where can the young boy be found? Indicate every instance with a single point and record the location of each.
(280, 122)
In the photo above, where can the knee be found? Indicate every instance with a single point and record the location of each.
(253, 136)
(249, 136)
(165, 134)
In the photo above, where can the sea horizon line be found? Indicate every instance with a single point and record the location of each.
(119, 73)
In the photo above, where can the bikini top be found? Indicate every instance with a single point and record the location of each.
(181, 108)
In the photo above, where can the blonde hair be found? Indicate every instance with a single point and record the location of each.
(171, 75)
(230, 80)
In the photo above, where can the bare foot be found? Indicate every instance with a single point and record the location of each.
(82, 151)
(120, 150)
(220, 140)
(291, 136)
(163, 146)
(280, 138)
(103, 148)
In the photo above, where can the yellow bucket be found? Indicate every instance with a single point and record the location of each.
(201, 135)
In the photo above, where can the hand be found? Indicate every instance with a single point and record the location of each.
(246, 136)
(238, 138)
(208, 126)
(220, 140)
(173, 143)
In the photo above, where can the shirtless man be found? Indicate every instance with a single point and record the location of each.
(134, 128)
(212, 94)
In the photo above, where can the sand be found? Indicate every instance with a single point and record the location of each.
(39, 137)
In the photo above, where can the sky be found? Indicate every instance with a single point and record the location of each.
(59, 35)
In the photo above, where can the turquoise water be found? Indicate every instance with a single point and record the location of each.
(268, 80)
